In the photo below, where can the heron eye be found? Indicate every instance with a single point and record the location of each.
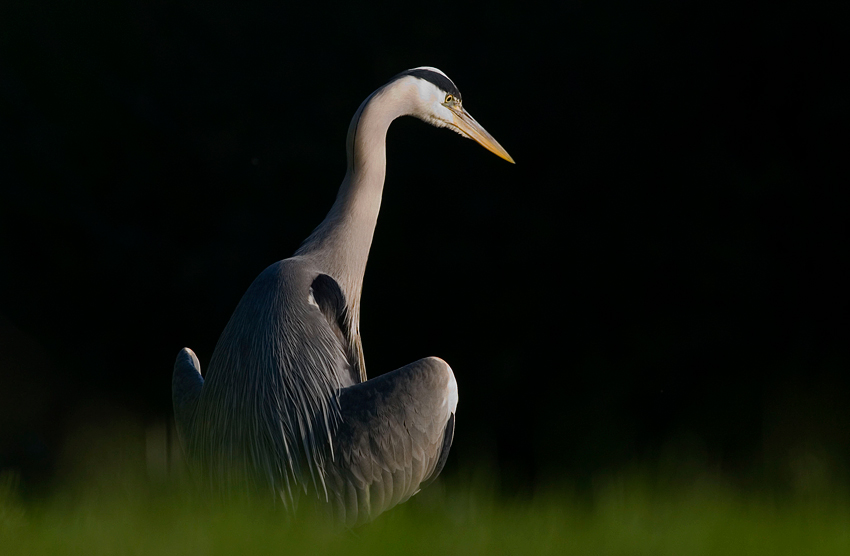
(449, 98)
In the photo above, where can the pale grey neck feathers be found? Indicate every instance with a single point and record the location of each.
(340, 244)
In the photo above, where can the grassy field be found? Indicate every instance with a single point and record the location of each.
(460, 516)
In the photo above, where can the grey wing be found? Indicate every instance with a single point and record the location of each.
(330, 299)
(267, 412)
(186, 385)
(394, 437)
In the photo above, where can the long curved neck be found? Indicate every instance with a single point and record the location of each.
(340, 244)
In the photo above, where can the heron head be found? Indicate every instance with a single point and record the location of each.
(440, 104)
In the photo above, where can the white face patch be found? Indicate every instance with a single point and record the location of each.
(431, 100)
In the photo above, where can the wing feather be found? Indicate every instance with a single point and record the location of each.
(268, 411)
(186, 385)
(391, 437)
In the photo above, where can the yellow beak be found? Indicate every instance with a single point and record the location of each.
(468, 127)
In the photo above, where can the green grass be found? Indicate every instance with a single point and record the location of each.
(461, 516)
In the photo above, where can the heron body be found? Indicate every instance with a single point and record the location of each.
(285, 405)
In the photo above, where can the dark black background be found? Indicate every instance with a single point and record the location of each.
(660, 279)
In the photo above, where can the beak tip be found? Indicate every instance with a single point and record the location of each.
(473, 130)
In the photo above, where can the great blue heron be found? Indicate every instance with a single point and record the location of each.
(286, 405)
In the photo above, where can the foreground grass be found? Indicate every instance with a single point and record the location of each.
(624, 517)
